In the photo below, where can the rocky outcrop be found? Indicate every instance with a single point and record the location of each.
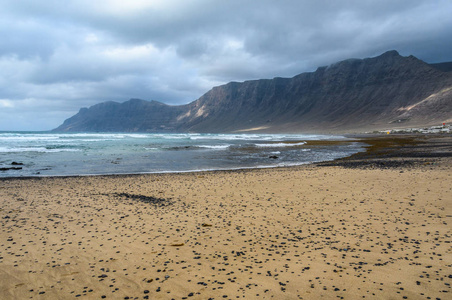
(354, 94)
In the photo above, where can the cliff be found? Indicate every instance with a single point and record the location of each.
(351, 95)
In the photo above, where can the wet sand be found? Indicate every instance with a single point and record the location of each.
(377, 225)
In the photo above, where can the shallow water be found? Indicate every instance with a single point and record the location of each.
(61, 154)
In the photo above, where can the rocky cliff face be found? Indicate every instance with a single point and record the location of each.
(353, 94)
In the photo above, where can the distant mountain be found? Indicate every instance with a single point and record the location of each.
(352, 95)
(134, 115)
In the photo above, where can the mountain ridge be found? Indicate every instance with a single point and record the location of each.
(350, 95)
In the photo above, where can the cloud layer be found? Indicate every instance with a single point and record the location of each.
(59, 56)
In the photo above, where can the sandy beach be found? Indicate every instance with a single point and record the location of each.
(377, 225)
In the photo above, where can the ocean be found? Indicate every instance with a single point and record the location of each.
(68, 154)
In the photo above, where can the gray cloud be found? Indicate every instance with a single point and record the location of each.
(58, 56)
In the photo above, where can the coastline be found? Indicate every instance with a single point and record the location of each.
(396, 149)
(37, 155)
(374, 225)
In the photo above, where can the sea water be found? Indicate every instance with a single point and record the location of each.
(64, 154)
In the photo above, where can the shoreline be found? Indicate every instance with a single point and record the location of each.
(353, 229)
(377, 145)
(240, 155)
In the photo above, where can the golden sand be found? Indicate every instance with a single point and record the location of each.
(296, 233)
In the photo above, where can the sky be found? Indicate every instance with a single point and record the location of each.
(59, 56)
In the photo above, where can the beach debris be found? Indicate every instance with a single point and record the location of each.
(177, 244)
(206, 225)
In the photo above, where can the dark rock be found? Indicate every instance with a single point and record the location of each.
(273, 157)
(10, 168)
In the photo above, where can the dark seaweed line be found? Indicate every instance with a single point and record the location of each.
(145, 199)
